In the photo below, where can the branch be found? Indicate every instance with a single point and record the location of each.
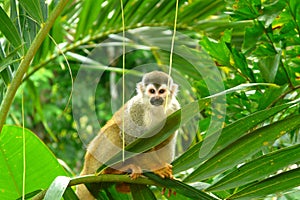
(101, 178)
(22, 69)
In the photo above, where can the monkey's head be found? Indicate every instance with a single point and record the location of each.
(155, 86)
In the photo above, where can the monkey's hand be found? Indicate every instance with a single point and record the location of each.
(134, 170)
(165, 172)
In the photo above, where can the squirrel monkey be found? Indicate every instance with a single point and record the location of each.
(155, 100)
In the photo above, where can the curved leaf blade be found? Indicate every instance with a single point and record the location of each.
(33, 7)
(141, 192)
(57, 188)
(30, 195)
(9, 30)
(180, 187)
(70, 194)
(259, 168)
(243, 148)
(281, 182)
(89, 13)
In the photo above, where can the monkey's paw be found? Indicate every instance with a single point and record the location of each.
(165, 172)
(135, 171)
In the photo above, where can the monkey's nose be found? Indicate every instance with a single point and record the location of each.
(156, 101)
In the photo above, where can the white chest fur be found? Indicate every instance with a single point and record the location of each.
(141, 118)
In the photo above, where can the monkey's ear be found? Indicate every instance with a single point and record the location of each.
(140, 87)
(174, 89)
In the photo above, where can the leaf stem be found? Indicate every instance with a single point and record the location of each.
(102, 178)
(22, 69)
(110, 178)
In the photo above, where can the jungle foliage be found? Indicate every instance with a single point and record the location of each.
(239, 66)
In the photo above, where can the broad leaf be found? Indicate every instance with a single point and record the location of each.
(41, 165)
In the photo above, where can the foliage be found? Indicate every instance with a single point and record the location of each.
(253, 49)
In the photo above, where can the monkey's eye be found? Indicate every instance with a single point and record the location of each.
(152, 91)
(161, 91)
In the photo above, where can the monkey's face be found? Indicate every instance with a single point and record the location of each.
(155, 87)
(156, 94)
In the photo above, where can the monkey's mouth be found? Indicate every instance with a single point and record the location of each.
(156, 101)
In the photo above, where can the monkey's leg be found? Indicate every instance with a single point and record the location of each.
(150, 161)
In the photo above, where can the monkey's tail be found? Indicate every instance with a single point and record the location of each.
(123, 187)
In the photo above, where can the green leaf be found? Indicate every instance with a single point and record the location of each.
(203, 8)
(295, 9)
(180, 187)
(246, 9)
(33, 7)
(240, 62)
(243, 148)
(271, 11)
(272, 94)
(275, 184)
(259, 168)
(30, 195)
(5, 61)
(252, 36)
(141, 192)
(9, 30)
(9, 59)
(229, 134)
(88, 14)
(57, 188)
(41, 165)
(269, 66)
(218, 50)
(70, 194)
